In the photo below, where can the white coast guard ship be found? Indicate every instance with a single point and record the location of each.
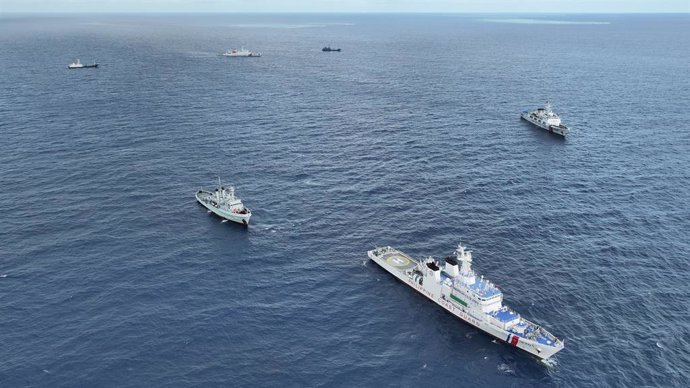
(243, 52)
(225, 204)
(545, 118)
(469, 297)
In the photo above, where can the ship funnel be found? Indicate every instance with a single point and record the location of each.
(435, 270)
(452, 267)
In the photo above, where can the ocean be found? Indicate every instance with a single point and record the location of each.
(112, 275)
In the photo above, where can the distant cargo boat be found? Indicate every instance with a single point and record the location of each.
(242, 52)
(329, 49)
(545, 118)
(79, 65)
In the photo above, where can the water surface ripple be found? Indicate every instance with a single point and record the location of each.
(111, 274)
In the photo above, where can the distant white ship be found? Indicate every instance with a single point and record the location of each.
(79, 65)
(545, 118)
(225, 204)
(242, 52)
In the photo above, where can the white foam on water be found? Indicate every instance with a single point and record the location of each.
(543, 21)
(200, 54)
(289, 25)
(310, 182)
(504, 368)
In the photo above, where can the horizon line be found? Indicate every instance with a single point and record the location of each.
(351, 12)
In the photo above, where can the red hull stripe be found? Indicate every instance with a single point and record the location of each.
(514, 341)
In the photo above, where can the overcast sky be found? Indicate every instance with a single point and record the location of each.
(526, 6)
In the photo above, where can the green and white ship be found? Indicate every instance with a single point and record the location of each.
(224, 204)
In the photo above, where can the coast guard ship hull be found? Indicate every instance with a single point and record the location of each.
(497, 320)
(241, 53)
(546, 119)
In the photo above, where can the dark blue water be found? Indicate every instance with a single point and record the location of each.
(112, 275)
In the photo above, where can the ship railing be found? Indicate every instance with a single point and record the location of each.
(536, 331)
(383, 250)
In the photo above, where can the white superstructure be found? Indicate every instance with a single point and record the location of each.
(225, 204)
(545, 118)
(457, 288)
(79, 65)
(75, 65)
(242, 52)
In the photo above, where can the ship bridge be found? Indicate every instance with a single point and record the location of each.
(484, 289)
(485, 295)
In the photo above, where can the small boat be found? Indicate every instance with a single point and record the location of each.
(79, 65)
(242, 52)
(545, 118)
(329, 49)
(224, 204)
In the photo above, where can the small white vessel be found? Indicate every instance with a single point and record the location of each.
(79, 65)
(545, 118)
(224, 204)
(242, 52)
(468, 296)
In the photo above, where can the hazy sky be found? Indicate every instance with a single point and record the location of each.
(526, 6)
